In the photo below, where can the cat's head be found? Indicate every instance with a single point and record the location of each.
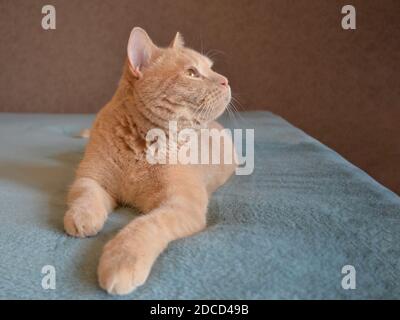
(175, 83)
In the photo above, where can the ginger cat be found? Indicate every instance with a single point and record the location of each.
(158, 85)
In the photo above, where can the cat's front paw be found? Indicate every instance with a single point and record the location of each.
(122, 268)
(80, 223)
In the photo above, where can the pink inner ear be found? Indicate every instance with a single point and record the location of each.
(140, 50)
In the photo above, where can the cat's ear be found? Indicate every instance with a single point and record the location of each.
(177, 42)
(140, 51)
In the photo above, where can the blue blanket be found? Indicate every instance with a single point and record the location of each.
(286, 231)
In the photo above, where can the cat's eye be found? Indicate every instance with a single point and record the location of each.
(192, 72)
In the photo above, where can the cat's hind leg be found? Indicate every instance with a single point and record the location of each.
(89, 205)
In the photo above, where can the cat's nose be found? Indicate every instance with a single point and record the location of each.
(220, 79)
(224, 81)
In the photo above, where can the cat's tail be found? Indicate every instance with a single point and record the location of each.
(85, 133)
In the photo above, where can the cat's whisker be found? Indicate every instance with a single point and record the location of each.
(228, 110)
(236, 100)
(235, 115)
(209, 112)
(212, 54)
(201, 112)
(236, 109)
(215, 52)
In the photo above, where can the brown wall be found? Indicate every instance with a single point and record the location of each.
(290, 57)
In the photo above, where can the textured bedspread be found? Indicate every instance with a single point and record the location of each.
(285, 231)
